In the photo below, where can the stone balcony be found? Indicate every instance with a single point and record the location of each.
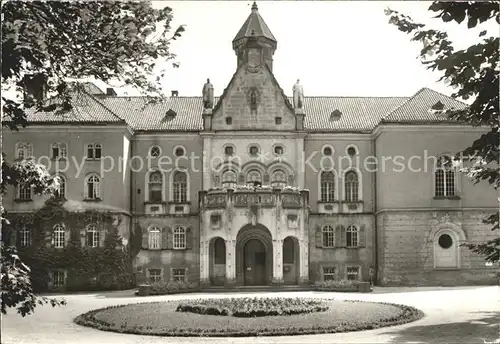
(245, 197)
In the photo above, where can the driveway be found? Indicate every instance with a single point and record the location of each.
(453, 315)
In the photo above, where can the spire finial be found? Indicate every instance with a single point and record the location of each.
(254, 6)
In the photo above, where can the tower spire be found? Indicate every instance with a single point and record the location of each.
(254, 7)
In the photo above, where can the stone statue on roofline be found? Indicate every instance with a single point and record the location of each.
(298, 95)
(208, 95)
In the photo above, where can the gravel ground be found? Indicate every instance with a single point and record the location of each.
(453, 315)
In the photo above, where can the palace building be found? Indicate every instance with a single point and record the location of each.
(256, 187)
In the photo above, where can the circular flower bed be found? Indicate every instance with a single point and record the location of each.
(163, 319)
(252, 307)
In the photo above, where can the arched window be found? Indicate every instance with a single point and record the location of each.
(24, 193)
(61, 190)
(352, 237)
(155, 186)
(94, 151)
(179, 238)
(220, 251)
(59, 236)
(327, 186)
(288, 251)
(351, 186)
(254, 177)
(25, 236)
(92, 236)
(445, 177)
(229, 180)
(328, 236)
(154, 238)
(93, 188)
(278, 179)
(180, 187)
(24, 150)
(59, 150)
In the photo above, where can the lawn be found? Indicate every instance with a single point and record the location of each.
(162, 319)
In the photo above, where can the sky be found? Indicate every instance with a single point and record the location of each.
(336, 48)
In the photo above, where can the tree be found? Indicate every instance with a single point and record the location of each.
(474, 73)
(46, 45)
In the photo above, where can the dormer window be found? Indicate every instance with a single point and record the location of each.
(170, 115)
(335, 115)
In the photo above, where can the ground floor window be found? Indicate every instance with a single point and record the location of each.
(58, 279)
(154, 275)
(179, 275)
(352, 273)
(329, 274)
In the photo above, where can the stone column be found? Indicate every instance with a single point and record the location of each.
(304, 261)
(277, 262)
(230, 262)
(207, 158)
(205, 263)
(299, 165)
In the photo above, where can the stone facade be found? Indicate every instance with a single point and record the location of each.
(256, 192)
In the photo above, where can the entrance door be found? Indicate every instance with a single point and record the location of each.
(254, 263)
(445, 250)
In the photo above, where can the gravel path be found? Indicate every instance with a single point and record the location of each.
(453, 315)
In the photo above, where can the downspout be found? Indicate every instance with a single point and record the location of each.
(375, 208)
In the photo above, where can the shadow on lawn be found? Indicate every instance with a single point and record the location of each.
(485, 329)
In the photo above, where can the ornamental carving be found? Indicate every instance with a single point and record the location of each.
(253, 97)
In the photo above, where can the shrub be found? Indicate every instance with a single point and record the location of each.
(338, 285)
(172, 287)
(252, 307)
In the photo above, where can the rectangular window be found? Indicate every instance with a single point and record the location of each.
(24, 193)
(155, 275)
(352, 236)
(154, 240)
(215, 221)
(58, 279)
(278, 120)
(55, 152)
(25, 237)
(179, 275)
(155, 196)
(352, 273)
(329, 239)
(329, 274)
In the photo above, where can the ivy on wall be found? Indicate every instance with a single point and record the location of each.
(106, 267)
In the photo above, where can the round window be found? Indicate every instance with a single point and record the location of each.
(179, 151)
(327, 151)
(445, 241)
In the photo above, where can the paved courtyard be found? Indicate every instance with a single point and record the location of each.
(453, 315)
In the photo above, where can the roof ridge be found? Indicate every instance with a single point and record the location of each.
(444, 95)
(404, 103)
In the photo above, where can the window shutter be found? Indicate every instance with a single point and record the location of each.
(362, 234)
(319, 236)
(145, 238)
(169, 238)
(189, 238)
(164, 238)
(339, 236)
(83, 237)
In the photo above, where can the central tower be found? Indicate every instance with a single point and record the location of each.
(254, 43)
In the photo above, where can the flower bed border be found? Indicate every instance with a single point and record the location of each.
(409, 314)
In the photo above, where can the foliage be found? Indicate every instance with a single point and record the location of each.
(474, 73)
(16, 285)
(172, 287)
(100, 268)
(252, 307)
(341, 316)
(58, 41)
(338, 285)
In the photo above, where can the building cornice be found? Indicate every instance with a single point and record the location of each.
(401, 210)
(444, 127)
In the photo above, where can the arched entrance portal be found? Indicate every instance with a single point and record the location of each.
(254, 256)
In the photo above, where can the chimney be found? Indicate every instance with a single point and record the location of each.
(175, 93)
(110, 91)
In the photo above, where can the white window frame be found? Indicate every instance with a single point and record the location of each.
(278, 183)
(154, 238)
(179, 277)
(327, 146)
(328, 236)
(358, 273)
(351, 146)
(96, 237)
(320, 187)
(24, 193)
(229, 183)
(25, 236)
(63, 185)
(359, 188)
(150, 153)
(26, 148)
(180, 189)
(445, 177)
(93, 147)
(59, 236)
(96, 189)
(329, 273)
(156, 278)
(53, 278)
(62, 150)
(179, 238)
